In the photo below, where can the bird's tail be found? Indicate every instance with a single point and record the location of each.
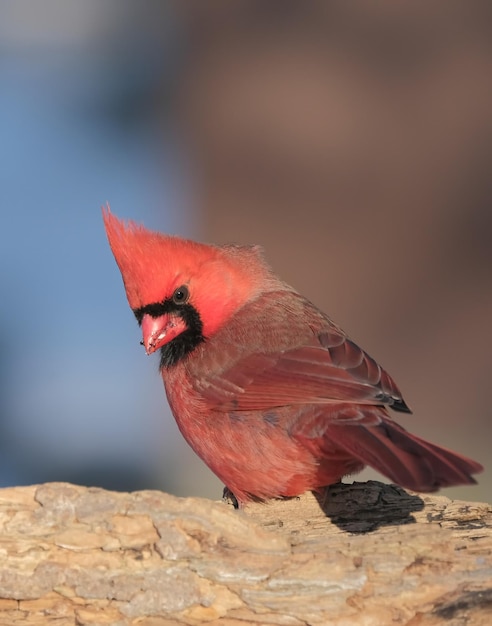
(404, 458)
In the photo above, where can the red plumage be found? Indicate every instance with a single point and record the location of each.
(268, 390)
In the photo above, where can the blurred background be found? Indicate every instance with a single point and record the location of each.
(352, 140)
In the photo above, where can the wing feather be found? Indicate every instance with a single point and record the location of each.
(281, 350)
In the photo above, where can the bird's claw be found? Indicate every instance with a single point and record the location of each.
(229, 498)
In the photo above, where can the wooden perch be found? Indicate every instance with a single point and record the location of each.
(372, 555)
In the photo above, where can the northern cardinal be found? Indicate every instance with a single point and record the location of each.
(267, 389)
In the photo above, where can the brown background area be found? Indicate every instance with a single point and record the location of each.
(353, 141)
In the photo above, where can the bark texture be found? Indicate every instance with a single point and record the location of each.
(366, 554)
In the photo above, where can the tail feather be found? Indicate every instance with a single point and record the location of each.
(402, 457)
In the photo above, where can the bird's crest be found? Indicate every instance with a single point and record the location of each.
(149, 261)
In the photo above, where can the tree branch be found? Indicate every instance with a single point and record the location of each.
(365, 553)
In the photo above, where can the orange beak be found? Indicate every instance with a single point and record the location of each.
(157, 331)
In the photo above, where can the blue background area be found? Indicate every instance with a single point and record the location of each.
(79, 401)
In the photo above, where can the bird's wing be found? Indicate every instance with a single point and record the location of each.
(281, 350)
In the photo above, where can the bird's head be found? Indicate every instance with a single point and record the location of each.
(181, 291)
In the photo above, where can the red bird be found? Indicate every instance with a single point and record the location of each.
(268, 390)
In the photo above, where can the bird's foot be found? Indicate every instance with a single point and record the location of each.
(229, 498)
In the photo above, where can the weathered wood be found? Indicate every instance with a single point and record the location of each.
(372, 554)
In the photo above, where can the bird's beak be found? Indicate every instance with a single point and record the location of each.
(157, 331)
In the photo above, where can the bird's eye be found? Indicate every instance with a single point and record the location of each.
(181, 295)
